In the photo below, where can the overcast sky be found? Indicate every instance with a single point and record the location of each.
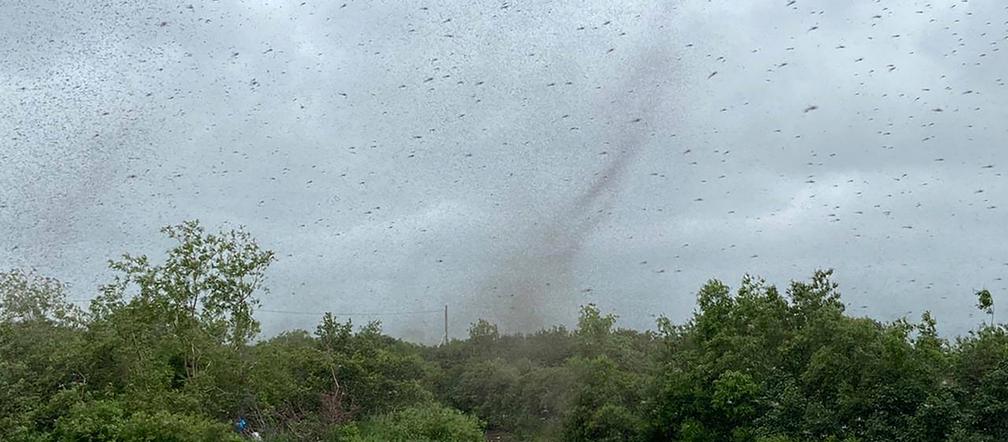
(516, 160)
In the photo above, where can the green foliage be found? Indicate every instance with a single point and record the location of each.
(105, 420)
(166, 355)
(304, 385)
(39, 362)
(760, 365)
(30, 297)
(604, 403)
(205, 286)
(421, 423)
(164, 426)
(985, 302)
(483, 333)
(95, 421)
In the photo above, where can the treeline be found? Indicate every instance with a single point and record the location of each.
(167, 352)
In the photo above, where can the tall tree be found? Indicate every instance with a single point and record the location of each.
(29, 296)
(204, 291)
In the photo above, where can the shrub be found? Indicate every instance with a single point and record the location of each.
(97, 421)
(164, 426)
(429, 422)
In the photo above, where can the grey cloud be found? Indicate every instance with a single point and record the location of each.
(407, 155)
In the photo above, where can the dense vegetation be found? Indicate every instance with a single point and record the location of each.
(167, 352)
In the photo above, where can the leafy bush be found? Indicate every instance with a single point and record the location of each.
(163, 355)
(97, 421)
(106, 420)
(429, 422)
(164, 426)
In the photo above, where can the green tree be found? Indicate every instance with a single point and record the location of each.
(29, 296)
(421, 423)
(985, 302)
(482, 333)
(208, 281)
(204, 292)
(40, 347)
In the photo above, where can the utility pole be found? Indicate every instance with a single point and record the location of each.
(446, 324)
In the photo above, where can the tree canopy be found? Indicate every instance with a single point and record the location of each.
(169, 350)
